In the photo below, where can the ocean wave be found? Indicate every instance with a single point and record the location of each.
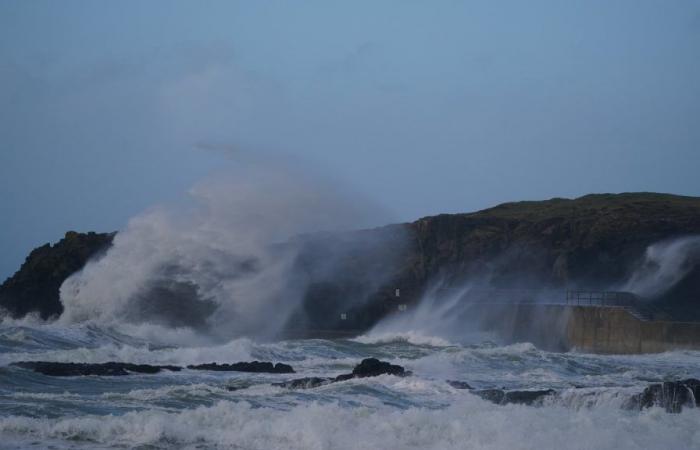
(468, 423)
(410, 337)
(236, 350)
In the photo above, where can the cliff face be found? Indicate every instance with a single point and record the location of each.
(35, 286)
(592, 242)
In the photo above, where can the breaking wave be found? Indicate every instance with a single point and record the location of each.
(223, 266)
(468, 423)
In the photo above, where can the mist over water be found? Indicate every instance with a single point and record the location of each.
(440, 317)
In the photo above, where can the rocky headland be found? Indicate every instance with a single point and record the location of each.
(594, 241)
(34, 288)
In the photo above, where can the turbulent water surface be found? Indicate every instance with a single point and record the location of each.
(195, 409)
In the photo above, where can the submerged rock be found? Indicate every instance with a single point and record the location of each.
(370, 367)
(305, 383)
(255, 366)
(502, 397)
(61, 369)
(670, 395)
(459, 384)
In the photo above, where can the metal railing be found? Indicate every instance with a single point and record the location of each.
(601, 298)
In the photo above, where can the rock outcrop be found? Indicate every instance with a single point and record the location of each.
(372, 367)
(459, 384)
(369, 367)
(255, 367)
(526, 397)
(34, 288)
(670, 395)
(61, 369)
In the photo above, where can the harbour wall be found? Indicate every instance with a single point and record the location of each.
(594, 329)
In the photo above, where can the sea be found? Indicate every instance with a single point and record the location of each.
(194, 409)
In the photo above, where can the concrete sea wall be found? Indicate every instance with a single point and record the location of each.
(615, 330)
(599, 329)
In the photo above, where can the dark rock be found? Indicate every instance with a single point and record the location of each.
(372, 367)
(502, 397)
(34, 288)
(305, 383)
(493, 395)
(344, 377)
(59, 369)
(255, 366)
(239, 384)
(528, 397)
(459, 384)
(670, 395)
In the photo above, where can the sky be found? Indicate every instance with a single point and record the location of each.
(108, 108)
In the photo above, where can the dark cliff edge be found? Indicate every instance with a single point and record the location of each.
(590, 242)
(34, 288)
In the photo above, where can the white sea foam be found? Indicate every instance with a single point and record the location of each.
(468, 423)
(589, 398)
(233, 351)
(217, 267)
(411, 337)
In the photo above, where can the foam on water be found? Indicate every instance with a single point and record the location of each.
(197, 409)
(412, 337)
(467, 423)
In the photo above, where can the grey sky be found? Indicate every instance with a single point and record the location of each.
(107, 108)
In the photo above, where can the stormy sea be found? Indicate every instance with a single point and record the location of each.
(182, 293)
(594, 403)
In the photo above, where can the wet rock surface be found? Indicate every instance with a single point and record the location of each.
(502, 397)
(370, 367)
(305, 383)
(459, 384)
(60, 369)
(255, 367)
(673, 396)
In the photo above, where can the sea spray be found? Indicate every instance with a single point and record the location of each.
(664, 265)
(475, 312)
(226, 266)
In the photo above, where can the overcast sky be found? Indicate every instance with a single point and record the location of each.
(107, 108)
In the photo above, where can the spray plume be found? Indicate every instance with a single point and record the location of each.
(224, 266)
